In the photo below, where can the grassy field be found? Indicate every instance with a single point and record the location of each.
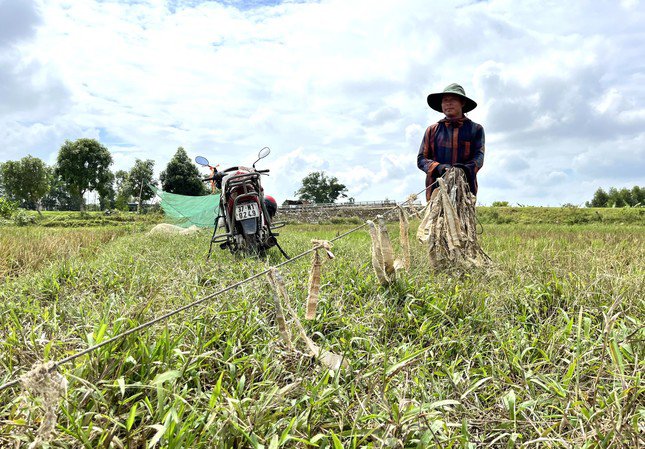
(545, 349)
(25, 249)
(561, 215)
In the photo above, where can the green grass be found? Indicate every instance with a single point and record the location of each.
(562, 215)
(57, 219)
(545, 349)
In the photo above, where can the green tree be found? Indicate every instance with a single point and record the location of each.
(107, 194)
(600, 199)
(26, 180)
(181, 176)
(2, 190)
(618, 198)
(615, 199)
(123, 190)
(58, 197)
(320, 188)
(84, 165)
(625, 196)
(638, 196)
(140, 178)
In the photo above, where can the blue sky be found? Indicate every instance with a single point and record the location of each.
(334, 85)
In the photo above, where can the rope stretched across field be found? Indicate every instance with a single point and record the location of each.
(54, 365)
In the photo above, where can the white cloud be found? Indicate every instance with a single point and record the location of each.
(333, 85)
(414, 135)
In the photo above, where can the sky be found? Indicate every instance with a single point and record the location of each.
(334, 85)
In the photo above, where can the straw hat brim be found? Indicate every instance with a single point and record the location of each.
(434, 101)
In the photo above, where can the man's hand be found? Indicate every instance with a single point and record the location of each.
(441, 169)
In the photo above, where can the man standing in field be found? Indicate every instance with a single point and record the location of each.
(454, 141)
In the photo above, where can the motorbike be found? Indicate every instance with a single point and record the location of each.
(243, 210)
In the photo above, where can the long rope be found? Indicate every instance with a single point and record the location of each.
(93, 348)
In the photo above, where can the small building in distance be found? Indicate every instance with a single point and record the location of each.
(288, 203)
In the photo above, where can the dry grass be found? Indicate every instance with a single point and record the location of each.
(23, 249)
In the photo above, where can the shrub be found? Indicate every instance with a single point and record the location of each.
(500, 204)
(578, 218)
(7, 207)
(345, 220)
(490, 215)
(22, 218)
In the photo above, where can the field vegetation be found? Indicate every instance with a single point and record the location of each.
(561, 215)
(56, 236)
(544, 349)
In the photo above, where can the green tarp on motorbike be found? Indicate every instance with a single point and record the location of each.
(186, 211)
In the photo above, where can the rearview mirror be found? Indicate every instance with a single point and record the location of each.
(201, 160)
(264, 152)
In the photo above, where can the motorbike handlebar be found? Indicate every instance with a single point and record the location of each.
(221, 174)
(217, 176)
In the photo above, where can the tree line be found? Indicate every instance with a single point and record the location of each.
(84, 165)
(618, 198)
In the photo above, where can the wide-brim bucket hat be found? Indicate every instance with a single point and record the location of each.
(434, 100)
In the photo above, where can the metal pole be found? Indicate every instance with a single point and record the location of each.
(140, 194)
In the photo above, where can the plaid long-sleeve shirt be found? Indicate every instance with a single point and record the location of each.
(457, 141)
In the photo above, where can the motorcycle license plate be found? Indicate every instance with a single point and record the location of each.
(247, 210)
